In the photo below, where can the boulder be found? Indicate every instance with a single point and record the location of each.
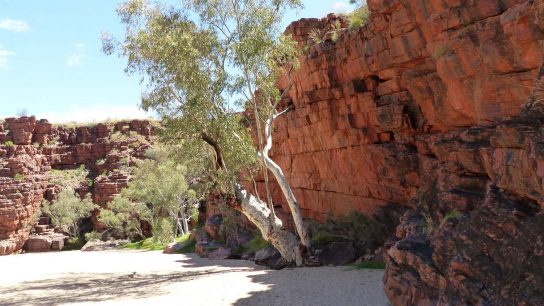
(337, 254)
(220, 253)
(213, 225)
(270, 257)
(98, 245)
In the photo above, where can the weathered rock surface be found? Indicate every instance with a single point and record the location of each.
(412, 110)
(105, 149)
(337, 254)
(98, 245)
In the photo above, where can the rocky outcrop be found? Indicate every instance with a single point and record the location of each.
(31, 148)
(417, 109)
(476, 235)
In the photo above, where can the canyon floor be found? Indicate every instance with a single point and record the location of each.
(153, 278)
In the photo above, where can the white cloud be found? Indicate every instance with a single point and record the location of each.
(78, 56)
(14, 25)
(4, 54)
(340, 7)
(94, 113)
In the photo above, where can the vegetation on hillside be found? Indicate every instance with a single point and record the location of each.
(68, 210)
(204, 61)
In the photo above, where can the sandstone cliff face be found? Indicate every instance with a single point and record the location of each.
(412, 110)
(38, 147)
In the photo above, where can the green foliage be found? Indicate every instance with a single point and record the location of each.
(19, 177)
(374, 265)
(315, 36)
(189, 247)
(8, 143)
(203, 62)
(129, 136)
(123, 218)
(256, 244)
(33, 220)
(74, 243)
(354, 227)
(321, 238)
(68, 210)
(69, 178)
(154, 244)
(90, 182)
(93, 236)
(163, 230)
(359, 17)
(161, 182)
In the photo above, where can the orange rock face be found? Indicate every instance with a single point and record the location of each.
(412, 110)
(416, 67)
(39, 147)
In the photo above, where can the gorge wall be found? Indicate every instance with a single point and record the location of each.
(421, 109)
(31, 149)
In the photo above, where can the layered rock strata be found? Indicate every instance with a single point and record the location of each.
(31, 148)
(417, 109)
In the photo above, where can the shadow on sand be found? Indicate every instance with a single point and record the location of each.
(320, 286)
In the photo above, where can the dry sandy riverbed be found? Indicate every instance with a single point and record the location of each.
(153, 278)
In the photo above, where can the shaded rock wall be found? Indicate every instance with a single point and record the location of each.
(411, 110)
(104, 149)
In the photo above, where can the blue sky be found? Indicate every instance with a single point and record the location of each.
(51, 63)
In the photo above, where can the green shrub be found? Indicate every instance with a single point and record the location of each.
(376, 265)
(153, 244)
(123, 218)
(68, 210)
(8, 143)
(93, 236)
(353, 227)
(163, 230)
(69, 178)
(74, 243)
(358, 17)
(90, 182)
(19, 177)
(322, 238)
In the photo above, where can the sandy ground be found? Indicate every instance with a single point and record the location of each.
(153, 278)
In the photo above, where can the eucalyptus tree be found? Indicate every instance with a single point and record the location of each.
(161, 182)
(205, 61)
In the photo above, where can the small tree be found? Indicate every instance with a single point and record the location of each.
(162, 183)
(124, 218)
(68, 210)
(206, 61)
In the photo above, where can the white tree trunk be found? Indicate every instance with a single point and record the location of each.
(259, 214)
(291, 200)
(184, 220)
(284, 184)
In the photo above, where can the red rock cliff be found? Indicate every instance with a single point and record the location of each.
(29, 149)
(412, 110)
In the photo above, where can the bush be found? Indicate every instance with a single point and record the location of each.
(375, 265)
(123, 219)
(8, 143)
(253, 246)
(68, 211)
(358, 17)
(70, 179)
(353, 227)
(153, 244)
(19, 177)
(163, 230)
